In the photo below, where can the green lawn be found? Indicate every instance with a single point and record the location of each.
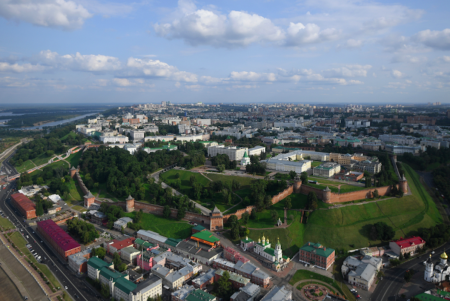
(79, 208)
(6, 224)
(343, 227)
(75, 193)
(25, 166)
(333, 185)
(165, 226)
(315, 163)
(291, 238)
(283, 176)
(169, 177)
(245, 181)
(74, 159)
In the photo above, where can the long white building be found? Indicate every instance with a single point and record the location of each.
(233, 152)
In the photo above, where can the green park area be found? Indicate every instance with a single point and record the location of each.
(309, 277)
(333, 185)
(167, 227)
(347, 227)
(6, 224)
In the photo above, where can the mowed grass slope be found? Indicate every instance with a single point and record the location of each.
(343, 227)
(165, 226)
(169, 177)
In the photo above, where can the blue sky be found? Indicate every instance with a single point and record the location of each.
(315, 51)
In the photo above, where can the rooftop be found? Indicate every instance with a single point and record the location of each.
(61, 238)
(23, 201)
(317, 249)
(408, 242)
(206, 236)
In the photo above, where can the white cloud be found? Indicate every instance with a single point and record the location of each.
(435, 39)
(77, 61)
(205, 27)
(16, 68)
(352, 43)
(252, 76)
(63, 14)
(396, 73)
(446, 58)
(402, 58)
(157, 69)
(348, 71)
(299, 34)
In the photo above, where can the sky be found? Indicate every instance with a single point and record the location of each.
(311, 51)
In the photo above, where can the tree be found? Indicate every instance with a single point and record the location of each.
(166, 211)
(288, 203)
(312, 201)
(373, 233)
(292, 174)
(304, 177)
(245, 218)
(232, 220)
(236, 185)
(222, 287)
(39, 209)
(117, 261)
(235, 231)
(274, 216)
(99, 252)
(192, 180)
(267, 201)
(105, 291)
(253, 214)
(181, 213)
(221, 167)
(376, 194)
(138, 216)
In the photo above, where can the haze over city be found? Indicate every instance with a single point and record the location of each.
(59, 51)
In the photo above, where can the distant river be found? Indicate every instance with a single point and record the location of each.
(55, 123)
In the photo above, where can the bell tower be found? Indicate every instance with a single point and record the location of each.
(278, 252)
(429, 270)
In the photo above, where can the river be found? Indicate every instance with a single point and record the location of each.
(56, 123)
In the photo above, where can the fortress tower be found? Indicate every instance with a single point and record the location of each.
(216, 219)
(297, 184)
(130, 204)
(89, 199)
(326, 195)
(403, 184)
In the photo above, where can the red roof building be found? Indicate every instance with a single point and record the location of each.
(118, 245)
(408, 245)
(62, 242)
(25, 206)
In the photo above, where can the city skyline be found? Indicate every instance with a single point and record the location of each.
(327, 52)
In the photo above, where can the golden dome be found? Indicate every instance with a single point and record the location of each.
(444, 256)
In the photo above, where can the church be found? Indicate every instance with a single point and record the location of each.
(437, 273)
(245, 160)
(275, 256)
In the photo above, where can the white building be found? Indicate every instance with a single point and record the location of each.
(151, 236)
(122, 223)
(129, 254)
(137, 135)
(293, 161)
(437, 272)
(256, 151)
(326, 169)
(245, 160)
(114, 139)
(357, 123)
(263, 248)
(278, 294)
(361, 272)
(131, 148)
(234, 153)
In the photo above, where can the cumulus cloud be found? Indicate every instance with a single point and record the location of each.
(237, 29)
(352, 43)
(435, 39)
(80, 62)
(348, 71)
(157, 69)
(205, 27)
(396, 73)
(63, 14)
(22, 68)
(299, 34)
(252, 76)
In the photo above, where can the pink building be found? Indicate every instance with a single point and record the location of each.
(233, 255)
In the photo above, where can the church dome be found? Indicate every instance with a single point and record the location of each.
(444, 256)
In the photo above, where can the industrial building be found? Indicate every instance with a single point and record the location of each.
(24, 205)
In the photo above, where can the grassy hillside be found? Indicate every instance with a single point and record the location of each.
(344, 227)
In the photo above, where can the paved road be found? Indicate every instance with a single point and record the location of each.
(389, 287)
(75, 286)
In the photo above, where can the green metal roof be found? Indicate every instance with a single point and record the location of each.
(173, 242)
(125, 285)
(246, 241)
(199, 228)
(97, 263)
(199, 295)
(270, 251)
(317, 249)
(108, 274)
(207, 236)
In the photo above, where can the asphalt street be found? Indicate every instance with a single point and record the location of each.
(389, 287)
(76, 287)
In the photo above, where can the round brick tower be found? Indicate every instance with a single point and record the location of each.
(130, 204)
(403, 184)
(326, 195)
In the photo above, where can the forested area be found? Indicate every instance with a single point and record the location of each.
(262, 192)
(431, 156)
(123, 173)
(84, 231)
(165, 129)
(57, 141)
(222, 161)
